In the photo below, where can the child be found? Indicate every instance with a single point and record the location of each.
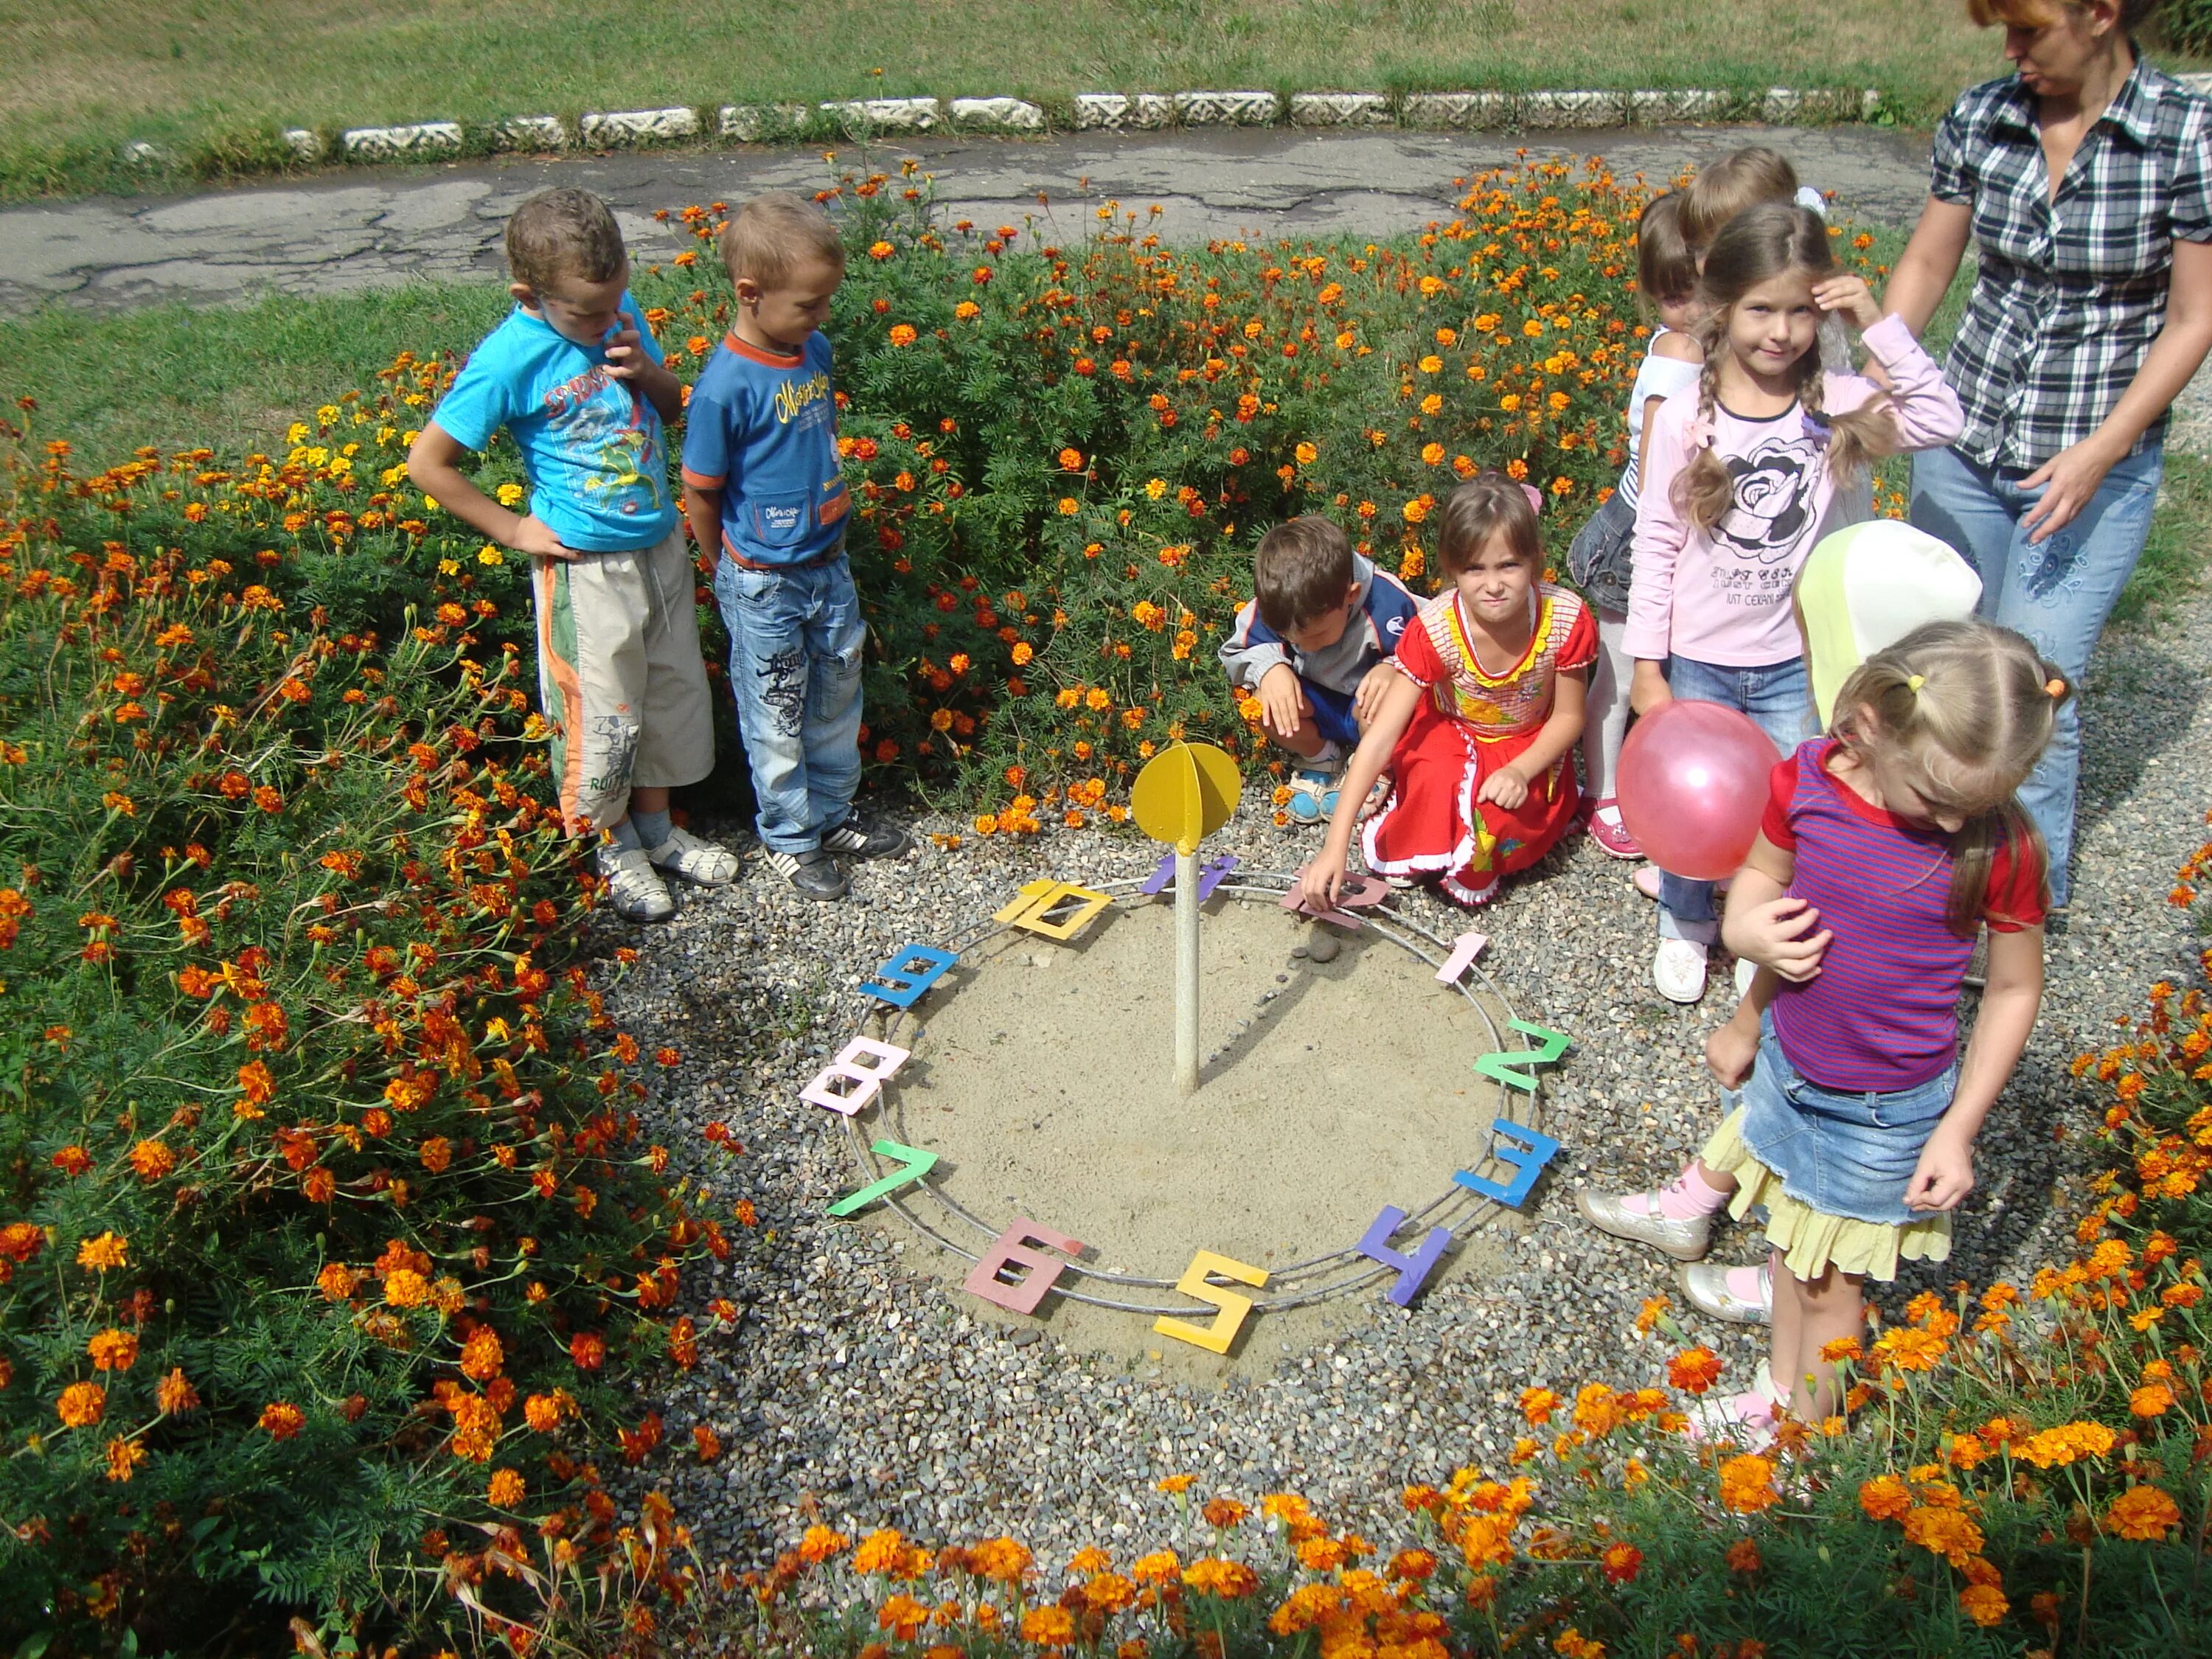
(1743, 178)
(1313, 648)
(763, 485)
(1598, 560)
(577, 380)
(1476, 725)
(1883, 845)
(1745, 473)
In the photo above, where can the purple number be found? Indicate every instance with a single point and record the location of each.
(1412, 1270)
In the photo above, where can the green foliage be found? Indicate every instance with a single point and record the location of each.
(2187, 24)
(316, 1148)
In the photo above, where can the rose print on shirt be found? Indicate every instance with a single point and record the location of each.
(1771, 503)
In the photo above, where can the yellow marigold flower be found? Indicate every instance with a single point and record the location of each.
(82, 1404)
(1214, 1575)
(112, 1350)
(405, 1288)
(1307, 454)
(506, 1489)
(1747, 1485)
(542, 1412)
(108, 1250)
(2144, 1514)
(2150, 1399)
(878, 1552)
(1160, 1567)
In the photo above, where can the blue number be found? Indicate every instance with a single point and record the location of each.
(901, 981)
(1522, 1149)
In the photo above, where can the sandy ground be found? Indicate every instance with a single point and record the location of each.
(1042, 1077)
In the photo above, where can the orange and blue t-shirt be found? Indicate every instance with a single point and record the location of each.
(762, 427)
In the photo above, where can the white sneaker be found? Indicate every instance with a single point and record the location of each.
(1637, 1216)
(702, 863)
(1678, 968)
(1706, 1287)
(1745, 972)
(634, 885)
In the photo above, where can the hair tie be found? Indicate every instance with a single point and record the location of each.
(1535, 497)
(2054, 688)
(1914, 682)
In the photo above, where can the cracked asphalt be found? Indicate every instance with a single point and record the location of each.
(358, 228)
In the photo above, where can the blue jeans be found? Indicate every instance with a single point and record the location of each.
(795, 638)
(1779, 700)
(2057, 592)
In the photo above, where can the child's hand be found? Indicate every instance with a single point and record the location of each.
(1774, 935)
(1320, 882)
(1647, 687)
(1729, 1053)
(626, 357)
(1850, 296)
(1281, 703)
(1507, 787)
(1367, 700)
(534, 535)
(1945, 1174)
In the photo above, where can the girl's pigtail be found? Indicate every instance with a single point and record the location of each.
(1703, 489)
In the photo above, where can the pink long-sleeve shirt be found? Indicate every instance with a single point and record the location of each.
(1722, 596)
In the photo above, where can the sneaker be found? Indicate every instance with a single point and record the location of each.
(1678, 968)
(1611, 834)
(863, 837)
(813, 873)
(1637, 1216)
(702, 863)
(1647, 881)
(1313, 794)
(1741, 1295)
(634, 885)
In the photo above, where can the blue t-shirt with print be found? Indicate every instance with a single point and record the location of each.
(592, 444)
(762, 427)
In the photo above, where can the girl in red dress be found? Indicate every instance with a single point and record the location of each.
(1476, 731)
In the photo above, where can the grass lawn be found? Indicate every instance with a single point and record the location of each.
(201, 76)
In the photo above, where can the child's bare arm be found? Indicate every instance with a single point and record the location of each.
(1324, 877)
(628, 360)
(1510, 784)
(2009, 1001)
(1762, 925)
(703, 508)
(434, 467)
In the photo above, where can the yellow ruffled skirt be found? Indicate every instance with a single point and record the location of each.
(1812, 1243)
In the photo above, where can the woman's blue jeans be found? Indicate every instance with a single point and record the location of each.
(2056, 592)
(1779, 700)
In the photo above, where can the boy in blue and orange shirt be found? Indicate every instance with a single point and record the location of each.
(762, 484)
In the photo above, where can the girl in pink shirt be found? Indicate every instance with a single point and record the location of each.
(1885, 845)
(1747, 471)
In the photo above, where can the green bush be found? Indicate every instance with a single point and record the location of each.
(328, 1244)
(2188, 25)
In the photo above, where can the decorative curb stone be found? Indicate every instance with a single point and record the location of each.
(1474, 110)
(1226, 109)
(1656, 108)
(998, 114)
(306, 146)
(1143, 111)
(750, 123)
(863, 115)
(528, 132)
(1339, 109)
(1570, 109)
(634, 128)
(396, 144)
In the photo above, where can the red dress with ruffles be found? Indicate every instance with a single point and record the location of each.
(1471, 723)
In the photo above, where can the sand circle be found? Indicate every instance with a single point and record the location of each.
(1338, 1078)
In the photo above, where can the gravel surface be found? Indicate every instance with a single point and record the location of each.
(858, 1377)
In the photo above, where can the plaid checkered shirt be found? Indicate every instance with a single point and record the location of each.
(2071, 293)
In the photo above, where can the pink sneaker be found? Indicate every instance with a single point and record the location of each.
(1607, 830)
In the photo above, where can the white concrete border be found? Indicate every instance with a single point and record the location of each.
(1089, 112)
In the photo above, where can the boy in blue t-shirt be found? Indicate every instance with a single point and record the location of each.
(762, 482)
(578, 382)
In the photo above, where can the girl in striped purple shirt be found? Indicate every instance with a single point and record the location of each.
(1885, 846)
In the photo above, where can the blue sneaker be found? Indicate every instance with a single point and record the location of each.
(1313, 795)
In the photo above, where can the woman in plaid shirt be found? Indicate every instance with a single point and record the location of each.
(2084, 182)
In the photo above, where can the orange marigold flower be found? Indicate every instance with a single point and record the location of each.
(588, 1350)
(124, 1457)
(1743, 1556)
(282, 1420)
(903, 334)
(1049, 1627)
(112, 1350)
(405, 1288)
(1175, 1485)
(482, 1355)
(108, 1250)
(820, 1543)
(1984, 1604)
(879, 1552)
(152, 1160)
(1694, 1370)
(1230, 1580)
(1537, 1405)
(82, 1404)
(174, 1397)
(1223, 1512)
(1161, 1567)
(2150, 1399)
(506, 1489)
(1622, 1561)
(2144, 1514)
(1885, 1497)
(1748, 1484)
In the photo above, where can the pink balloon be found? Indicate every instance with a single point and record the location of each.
(1692, 783)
